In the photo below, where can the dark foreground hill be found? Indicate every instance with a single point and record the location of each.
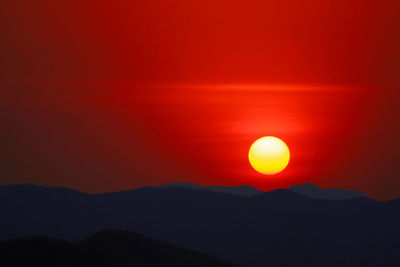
(106, 248)
(278, 228)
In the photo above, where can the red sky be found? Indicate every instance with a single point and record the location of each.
(111, 95)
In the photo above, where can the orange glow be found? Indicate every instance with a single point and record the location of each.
(269, 155)
(151, 92)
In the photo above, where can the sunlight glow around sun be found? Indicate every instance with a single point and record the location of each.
(269, 155)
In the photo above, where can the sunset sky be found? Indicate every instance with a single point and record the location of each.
(112, 95)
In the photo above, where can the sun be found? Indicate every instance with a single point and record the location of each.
(269, 155)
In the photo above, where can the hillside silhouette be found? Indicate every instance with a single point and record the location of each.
(106, 248)
(277, 228)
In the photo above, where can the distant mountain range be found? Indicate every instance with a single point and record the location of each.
(241, 190)
(106, 248)
(314, 191)
(277, 228)
(308, 190)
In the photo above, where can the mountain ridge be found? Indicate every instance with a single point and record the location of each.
(240, 190)
(314, 191)
(251, 231)
(308, 189)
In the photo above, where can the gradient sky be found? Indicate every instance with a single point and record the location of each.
(111, 95)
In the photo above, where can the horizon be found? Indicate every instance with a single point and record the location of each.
(207, 188)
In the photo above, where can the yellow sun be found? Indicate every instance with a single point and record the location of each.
(269, 155)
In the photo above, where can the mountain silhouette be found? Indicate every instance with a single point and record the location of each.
(106, 248)
(307, 189)
(314, 191)
(277, 228)
(241, 190)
